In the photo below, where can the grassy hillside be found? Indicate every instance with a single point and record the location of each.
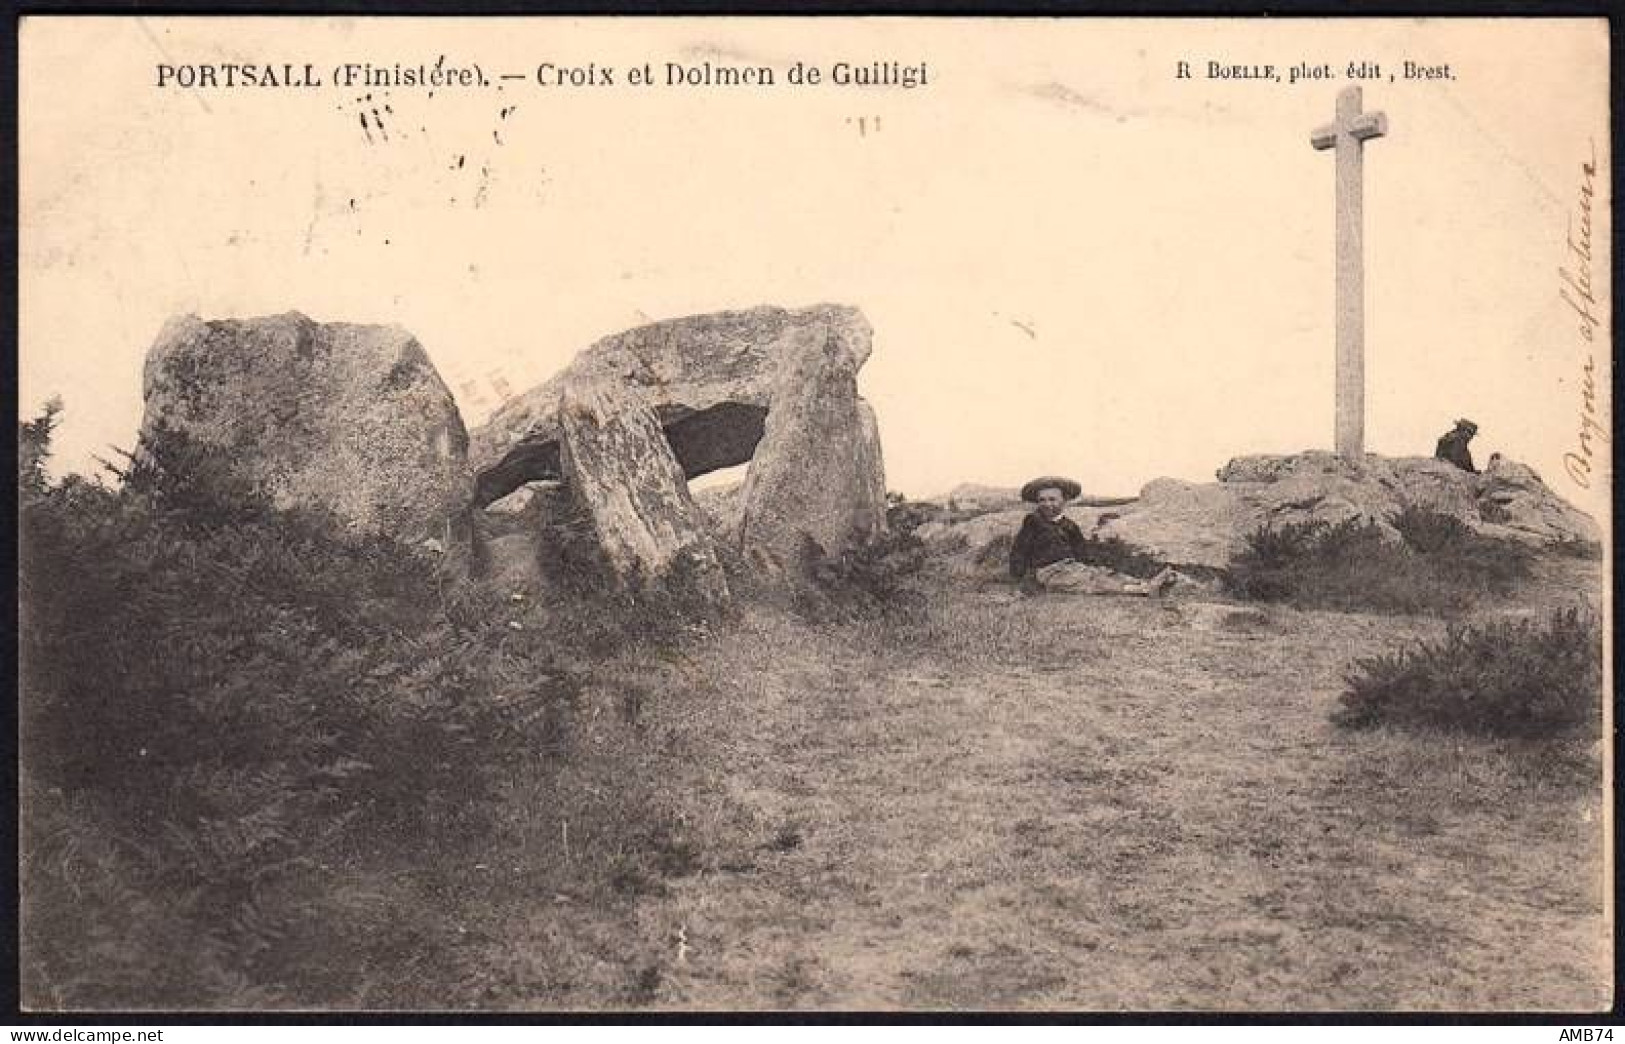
(267, 765)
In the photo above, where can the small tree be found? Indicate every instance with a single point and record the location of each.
(34, 448)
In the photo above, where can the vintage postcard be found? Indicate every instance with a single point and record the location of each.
(845, 514)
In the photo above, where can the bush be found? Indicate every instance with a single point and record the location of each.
(574, 562)
(1315, 564)
(874, 579)
(1576, 547)
(905, 516)
(34, 448)
(1120, 556)
(1428, 531)
(1353, 566)
(995, 556)
(1504, 678)
(216, 697)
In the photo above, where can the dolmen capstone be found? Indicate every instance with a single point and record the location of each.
(638, 414)
(353, 419)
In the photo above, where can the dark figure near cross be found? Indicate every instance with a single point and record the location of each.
(1453, 445)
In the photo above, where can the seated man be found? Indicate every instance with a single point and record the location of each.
(1453, 445)
(1049, 545)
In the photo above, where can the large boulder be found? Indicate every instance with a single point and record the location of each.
(1184, 523)
(619, 467)
(350, 418)
(815, 482)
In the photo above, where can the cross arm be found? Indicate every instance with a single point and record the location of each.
(1324, 137)
(1368, 125)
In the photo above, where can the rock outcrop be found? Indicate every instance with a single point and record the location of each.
(1185, 523)
(1514, 502)
(1206, 524)
(350, 418)
(972, 496)
(619, 467)
(772, 387)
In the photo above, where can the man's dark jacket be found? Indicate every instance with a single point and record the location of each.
(1453, 447)
(1041, 542)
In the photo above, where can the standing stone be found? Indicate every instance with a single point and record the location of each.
(619, 467)
(816, 482)
(349, 418)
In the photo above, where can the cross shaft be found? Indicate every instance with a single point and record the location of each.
(1347, 135)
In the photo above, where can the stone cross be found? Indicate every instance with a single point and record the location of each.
(1347, 134)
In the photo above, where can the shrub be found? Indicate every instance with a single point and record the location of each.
(1479, 566)
(662, 612)
(996, 554)
(34, 448)
(1313, 564)
(905, 516)
(1426, 530)
(1120, 556)
(870, 580)
(574, 561)
(1353, 566)
(1268, 569)
(216, 696)
(1576, 547)
(1504, 678)
(593, 611)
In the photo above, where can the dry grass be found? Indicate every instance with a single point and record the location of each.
(1078, 804)
(1004, 803)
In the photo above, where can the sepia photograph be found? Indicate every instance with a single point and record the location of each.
(852, 514)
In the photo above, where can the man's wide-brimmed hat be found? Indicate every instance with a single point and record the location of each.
(1465, 423)
(1068, 488)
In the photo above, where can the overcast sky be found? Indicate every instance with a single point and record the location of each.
(1073, 260)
